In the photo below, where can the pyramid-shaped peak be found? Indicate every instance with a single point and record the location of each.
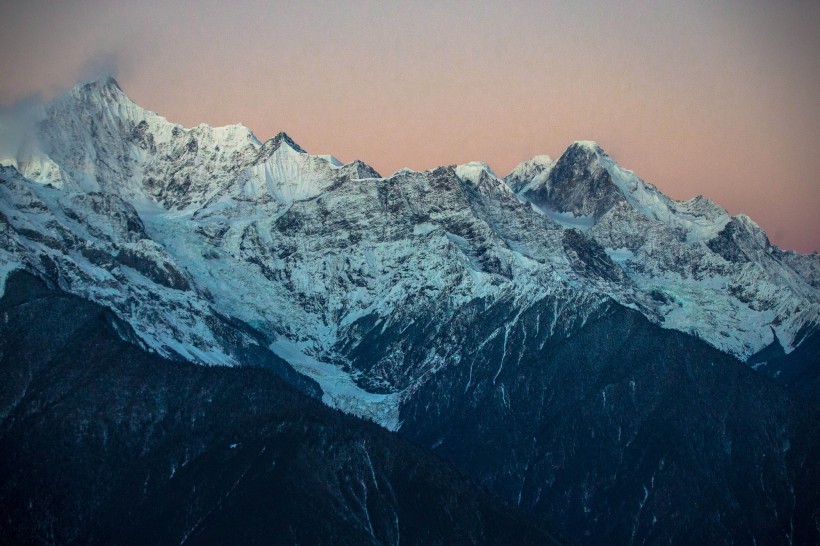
(109, 82)
(100, 85)
(273, 144)
(584, 153)
(103, 89)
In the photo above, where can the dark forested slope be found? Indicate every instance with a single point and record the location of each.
(104, 443)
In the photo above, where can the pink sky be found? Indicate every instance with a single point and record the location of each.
(719, 98)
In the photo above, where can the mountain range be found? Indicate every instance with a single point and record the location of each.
(613, 365)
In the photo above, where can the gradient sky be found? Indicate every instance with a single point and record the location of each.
(720, 98)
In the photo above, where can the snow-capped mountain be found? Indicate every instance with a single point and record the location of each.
(710, 274)
(414, 300)
(171, 227)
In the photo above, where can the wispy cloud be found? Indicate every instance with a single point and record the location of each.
(101, 64)
(18, 124)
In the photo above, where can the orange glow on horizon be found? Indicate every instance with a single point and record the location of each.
(717, 99)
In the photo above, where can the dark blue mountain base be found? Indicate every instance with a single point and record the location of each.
(625, 433)
(104, 443)
(798, 370)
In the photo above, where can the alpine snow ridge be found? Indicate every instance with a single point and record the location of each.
(313, 254)
(402, 298)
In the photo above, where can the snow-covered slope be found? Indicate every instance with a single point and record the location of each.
(215, 246)
(709, 274)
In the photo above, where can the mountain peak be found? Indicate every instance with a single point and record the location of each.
(588, 145)
(582, 154)
(104, 85)
(534, 164)
(108, 81)
(472, 171)
(577, 184)
(103, 91)
(531, 172)
(276, 142)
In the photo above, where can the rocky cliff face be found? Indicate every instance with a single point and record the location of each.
(408, 297)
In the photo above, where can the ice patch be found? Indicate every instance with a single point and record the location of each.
(566, 219)
(424, 228)
(340, 391)
(620, 255)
